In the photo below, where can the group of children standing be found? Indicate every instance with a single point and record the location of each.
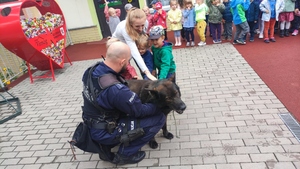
(246, 15)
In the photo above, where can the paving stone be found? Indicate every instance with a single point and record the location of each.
(15, 167)
(253, 165)
(208, 166)
(238, 158)
(45, 160)
(32, 166)
(161, 153)
(30, 160)
(169, 161)
(228, 166)
(70, 165)
(262, 157)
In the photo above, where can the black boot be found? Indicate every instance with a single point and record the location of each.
(135, 158)
(281, 33)
(106, 154)
(286, 33)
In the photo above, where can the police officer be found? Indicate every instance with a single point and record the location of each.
(116, 114)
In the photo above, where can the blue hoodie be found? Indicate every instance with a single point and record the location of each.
(227, 15)
(238, 8)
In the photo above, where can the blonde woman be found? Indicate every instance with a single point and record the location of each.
(128, 31)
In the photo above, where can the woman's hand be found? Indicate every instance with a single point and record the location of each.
(149, 75)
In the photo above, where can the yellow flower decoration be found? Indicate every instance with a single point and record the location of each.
(8, 83)
(4, 69)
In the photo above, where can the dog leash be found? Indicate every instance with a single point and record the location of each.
(175, 125)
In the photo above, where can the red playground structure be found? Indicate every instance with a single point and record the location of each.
(35, 30)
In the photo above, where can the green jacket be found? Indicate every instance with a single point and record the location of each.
(163, 60)
(215, 12)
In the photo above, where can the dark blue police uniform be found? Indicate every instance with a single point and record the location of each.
(129, 110)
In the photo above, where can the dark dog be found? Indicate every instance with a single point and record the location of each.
(164, 93)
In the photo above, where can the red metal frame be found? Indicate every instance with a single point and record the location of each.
(12, 37)
(46, 74)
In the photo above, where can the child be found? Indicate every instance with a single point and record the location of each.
(174, 16)
(127, 7)
(153, 2)
(200, 11)
(160, 17)
(286, 16)
(188, 14)
(112, 17)
(215, 19)
(143, 46)
(227, 21)
(271, 10)
(149, 18)
(238, 8)
(162, 53)
(252, 17)
(260, 24)
(296, 21)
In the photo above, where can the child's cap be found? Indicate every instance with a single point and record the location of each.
(156, 32)
(158, 5)
(153, 2)
(128, 7)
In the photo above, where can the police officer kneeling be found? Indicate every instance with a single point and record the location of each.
(115, 114)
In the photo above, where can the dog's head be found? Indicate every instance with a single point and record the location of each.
(167, 95)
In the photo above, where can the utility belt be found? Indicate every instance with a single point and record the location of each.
(102, 125)
(127, 136)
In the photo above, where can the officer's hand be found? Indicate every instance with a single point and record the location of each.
(149, 75)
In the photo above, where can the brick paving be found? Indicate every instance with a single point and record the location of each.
(231, 121)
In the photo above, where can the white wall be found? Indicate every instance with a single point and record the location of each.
(77, 13)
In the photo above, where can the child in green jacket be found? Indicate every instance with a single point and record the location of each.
(162, 53)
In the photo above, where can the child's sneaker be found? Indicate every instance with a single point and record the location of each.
(261, 36)
(193, 44)
(251, 39)
(179, 44)
(215, 41)
(234, 42)
(187, 44)
(241, 41)
(272, 39)
(202, 43)
(295, 32)
(219, 41)
(267, 40)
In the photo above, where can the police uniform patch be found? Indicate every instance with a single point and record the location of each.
(119, 86)
(132, 97)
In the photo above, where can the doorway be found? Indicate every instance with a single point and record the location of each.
(117, 4)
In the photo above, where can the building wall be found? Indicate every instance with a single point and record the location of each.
(83, 35)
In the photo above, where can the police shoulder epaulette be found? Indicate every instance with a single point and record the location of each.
(107, 80)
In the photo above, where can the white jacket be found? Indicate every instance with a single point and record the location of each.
(265, 5)
(121, 34)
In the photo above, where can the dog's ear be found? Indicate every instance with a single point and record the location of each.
(154, 93)
(172, 78)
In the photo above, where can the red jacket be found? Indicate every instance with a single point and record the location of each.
(130, 72)
(160, 19)
(150, 22)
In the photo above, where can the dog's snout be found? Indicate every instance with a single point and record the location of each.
(182, 107)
